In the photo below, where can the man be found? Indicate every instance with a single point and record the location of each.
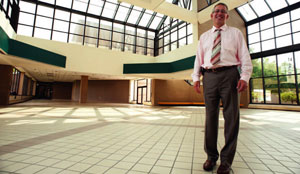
(220, 52)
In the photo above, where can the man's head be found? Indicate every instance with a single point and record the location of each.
(219, 15)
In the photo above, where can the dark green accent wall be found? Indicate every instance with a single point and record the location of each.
(20, 49)
(4, 40)
(140, 68)
(27, 51)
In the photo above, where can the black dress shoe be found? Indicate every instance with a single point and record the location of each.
(223, 169)
(209, 165)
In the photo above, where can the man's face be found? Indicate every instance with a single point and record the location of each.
(219, 15)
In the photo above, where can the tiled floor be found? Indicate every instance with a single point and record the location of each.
(66, 138)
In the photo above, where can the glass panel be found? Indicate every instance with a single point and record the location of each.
(140, 41)
(95, 7)
(150, 43)
(254, 48)
(276, 5)
(266, 24)
(92, 22)
(59, 36)
(190, 29)
(145, 19)
(297, 60)
(59, 14)
(166, 48)
(288, 90)
(257, 70)
(26, 18)
(267, 34)
(75, 39)
(45, 11)
(173, 46)
(25, 30)
(295, 14)
(104, 44)
(271, 90)
(118, 36)
(295, 26)
(109, 10)
(150, 52)
(285, 64)
(296, 38)
(129, 48)
(27, 7)
(182, 32)
(257, 92)
(151, 35)
(155, 22)
(78, 18)
(133, 16)
(141, 33)
(129, 39)
(61, 25)
(253, 28)
(247, 12)
(80, 5)
(41, 33)
(106, 25)
(190, 39)
(182, 42)
(140, 50)
(76, 29)
(174, 36)
(268, 45)
(119, 28)
(283, 29)
(260, 7)
(160, 51)
(117, 46)
(105, 34)
(64, 3)
(292, 1)
(284, 18)
(130, 30)
(91, 31)
(43, 22)
(283, 41)
(122, 13)
(298, 80)
(270, 66)
(253, 38)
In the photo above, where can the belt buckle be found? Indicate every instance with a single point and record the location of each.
(214, 70)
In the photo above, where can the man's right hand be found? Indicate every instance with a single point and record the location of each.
(197, 86)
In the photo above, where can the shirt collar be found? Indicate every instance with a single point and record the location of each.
(223, 28)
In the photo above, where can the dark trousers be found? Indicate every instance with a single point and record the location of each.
(221, 86)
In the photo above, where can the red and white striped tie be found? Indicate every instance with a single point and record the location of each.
(215, 56)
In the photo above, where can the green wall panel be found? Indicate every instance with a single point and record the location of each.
(143, 68)
(4, 40)
(27, 51)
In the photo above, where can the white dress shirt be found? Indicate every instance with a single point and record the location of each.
(234, 51)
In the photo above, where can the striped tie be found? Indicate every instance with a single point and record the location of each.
(215, 56)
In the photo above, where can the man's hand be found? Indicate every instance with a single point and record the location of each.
(242, 85)
(197, 86)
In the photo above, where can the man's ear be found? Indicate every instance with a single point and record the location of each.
(211, 15)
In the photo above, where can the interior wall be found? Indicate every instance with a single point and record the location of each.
(104, 91)
(109, 91)
(5, 83)
(175, 91)
(62, 90)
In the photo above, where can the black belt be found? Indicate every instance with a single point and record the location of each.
(218, 69)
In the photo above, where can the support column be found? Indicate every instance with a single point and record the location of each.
(5, 83)
(34, 88)
(83, 89)
(20, 89)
